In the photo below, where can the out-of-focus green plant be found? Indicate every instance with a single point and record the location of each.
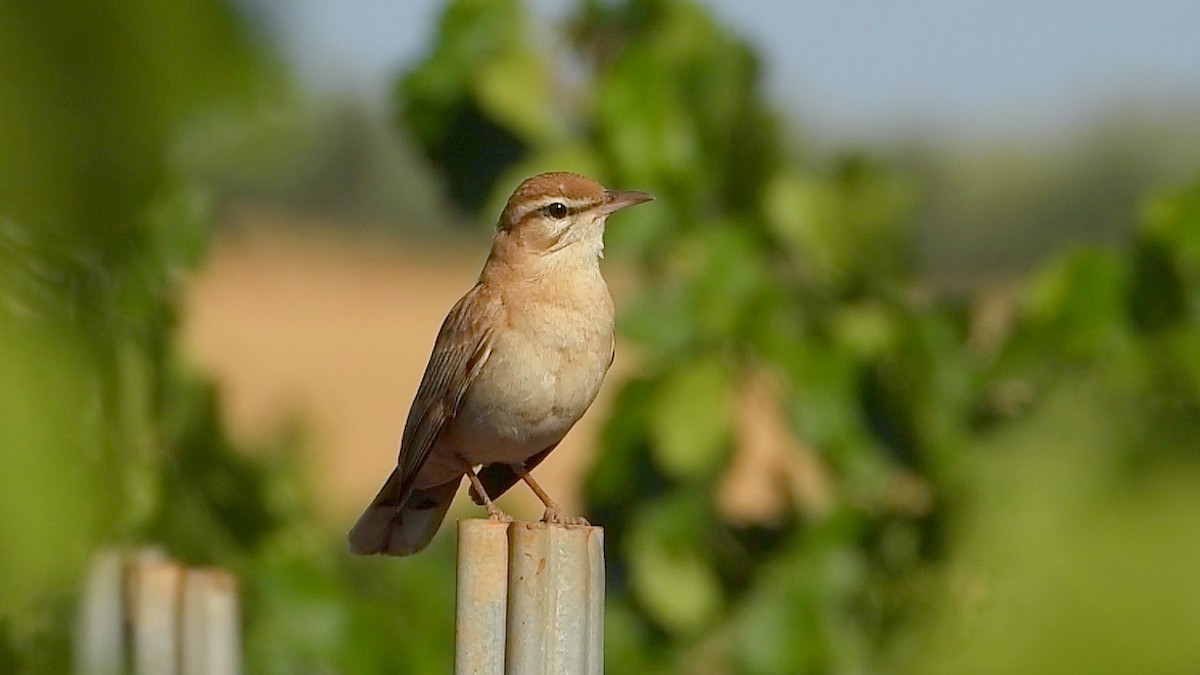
(818, 467)
(1129, 318)
(95, 234)
(106, 439)
(782, 296)
(484, 85)
(1075, 553)
(758, 275)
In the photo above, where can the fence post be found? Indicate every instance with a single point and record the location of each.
(554, 599)
(156, 589)
(211, 628)
(100, 637)
(145, 614)
(481, 596)
(530, 599)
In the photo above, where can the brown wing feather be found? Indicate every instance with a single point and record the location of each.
(462, 347)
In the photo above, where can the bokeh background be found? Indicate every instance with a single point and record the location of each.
(909, 372)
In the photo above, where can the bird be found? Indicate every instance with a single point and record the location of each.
(517, 361)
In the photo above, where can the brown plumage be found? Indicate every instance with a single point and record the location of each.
(516, 363)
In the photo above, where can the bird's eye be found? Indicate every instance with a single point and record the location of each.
(556, 210)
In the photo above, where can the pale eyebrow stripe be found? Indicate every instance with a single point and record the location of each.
(573, 206)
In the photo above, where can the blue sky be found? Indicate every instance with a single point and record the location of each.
(851, 69)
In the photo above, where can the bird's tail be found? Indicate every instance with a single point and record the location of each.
(395, 525)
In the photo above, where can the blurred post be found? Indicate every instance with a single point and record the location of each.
(482, 597)
(146, 614)
(100, 640)
(211, 626)
(555, 599)
(155, 589)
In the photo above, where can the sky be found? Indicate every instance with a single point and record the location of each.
(848, 69)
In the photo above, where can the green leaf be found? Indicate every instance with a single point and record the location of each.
(56, 493)
(659, 319)
(514, 89)
(727, 277)
(865, 328)
(1174, 220)
(844, 229)
(800, 211)
(1078, 304)
(691, 424)
(670, 575)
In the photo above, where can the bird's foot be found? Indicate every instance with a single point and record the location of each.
(555, 515)
(494, 513)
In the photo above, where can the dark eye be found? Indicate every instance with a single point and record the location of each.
(557, 210)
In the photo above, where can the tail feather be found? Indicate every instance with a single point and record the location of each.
(395, 525)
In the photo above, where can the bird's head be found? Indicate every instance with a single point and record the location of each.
(553, 212)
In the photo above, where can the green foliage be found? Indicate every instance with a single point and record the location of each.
(483, 86)
(689, 425)
(95, 232)
(1081, 568)
(105, 438)
(754, 268)
(313, 609)
(950, 492)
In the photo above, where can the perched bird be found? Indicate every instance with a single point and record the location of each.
(516, 363)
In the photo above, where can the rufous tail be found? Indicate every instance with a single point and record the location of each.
(395, 525)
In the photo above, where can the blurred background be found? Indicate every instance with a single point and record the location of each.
(909, 371)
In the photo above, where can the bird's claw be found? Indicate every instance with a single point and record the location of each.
(555, 516)
(499, 516)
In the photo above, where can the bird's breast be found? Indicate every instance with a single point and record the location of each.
(547, 362)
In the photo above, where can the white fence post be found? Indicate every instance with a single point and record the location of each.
(100, 637)
(144, 614)
(552, 579)
(212, 642)
(481, 597)
(155, 589)
(530, 601)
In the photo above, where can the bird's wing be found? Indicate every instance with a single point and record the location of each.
(462, 347)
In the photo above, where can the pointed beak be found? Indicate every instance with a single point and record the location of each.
(615, 200)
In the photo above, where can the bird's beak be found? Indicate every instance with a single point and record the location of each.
(615, 200)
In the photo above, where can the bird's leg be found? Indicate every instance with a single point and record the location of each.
(494, 512)
(553, 512)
